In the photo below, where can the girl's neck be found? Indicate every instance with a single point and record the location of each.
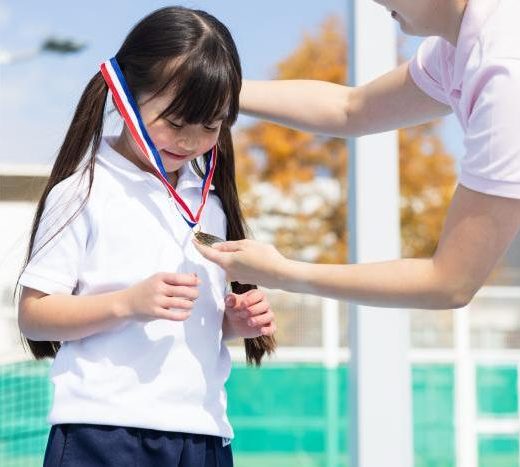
(123, 146)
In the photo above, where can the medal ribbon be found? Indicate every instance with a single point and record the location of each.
(128, 108)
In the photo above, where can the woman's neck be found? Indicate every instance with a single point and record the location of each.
(455, 15)
(123, 146)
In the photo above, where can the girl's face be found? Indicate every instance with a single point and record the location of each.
(177, 142)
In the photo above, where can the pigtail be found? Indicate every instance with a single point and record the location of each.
(225, 186)
(85, 131)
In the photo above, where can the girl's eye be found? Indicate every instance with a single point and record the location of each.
(212, 128)
(174, 125)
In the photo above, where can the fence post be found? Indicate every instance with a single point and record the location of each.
(465, 392)
(330, 345)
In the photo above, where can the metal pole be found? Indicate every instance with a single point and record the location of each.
(465, 393)
(330, 344)
(380, 381)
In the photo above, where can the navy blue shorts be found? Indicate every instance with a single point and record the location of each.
(80, 445)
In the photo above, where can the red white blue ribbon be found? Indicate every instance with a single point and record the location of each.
(129, 110)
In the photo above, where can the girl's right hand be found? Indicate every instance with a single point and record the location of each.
(164, 295)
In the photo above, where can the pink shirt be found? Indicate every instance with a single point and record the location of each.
(480, 80)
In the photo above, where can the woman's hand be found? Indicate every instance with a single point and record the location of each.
(247, 261)
(248, 315)
(162, 296)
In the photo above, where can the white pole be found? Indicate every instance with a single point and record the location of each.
(330, 344)
(465, 393)
(380, 382)
(330, 332)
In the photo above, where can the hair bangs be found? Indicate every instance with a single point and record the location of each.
(205, 88)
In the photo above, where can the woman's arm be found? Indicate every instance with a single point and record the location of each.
(478, 230)
(43, 317)
(389, 102)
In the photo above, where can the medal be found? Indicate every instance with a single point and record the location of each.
(206, 238)
(128, 108)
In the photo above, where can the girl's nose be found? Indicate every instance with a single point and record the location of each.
(187, 143)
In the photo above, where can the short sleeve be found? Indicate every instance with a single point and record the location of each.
(60, 240)
(426, 68)
(491, 163)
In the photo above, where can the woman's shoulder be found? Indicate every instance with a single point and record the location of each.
(500, 37)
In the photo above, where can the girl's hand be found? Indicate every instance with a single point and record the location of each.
(248, 315)
(164, 295)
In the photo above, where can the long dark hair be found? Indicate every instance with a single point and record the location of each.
(195, 54)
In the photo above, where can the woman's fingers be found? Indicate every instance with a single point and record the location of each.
(210, 253)
(229, 247)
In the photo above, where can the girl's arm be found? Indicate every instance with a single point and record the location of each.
(478, 230)
(389, 102)
(44, 317)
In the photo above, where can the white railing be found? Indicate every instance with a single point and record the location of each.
(468, 425)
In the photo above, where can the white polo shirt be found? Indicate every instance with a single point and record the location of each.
(160, 374)
(480, 80)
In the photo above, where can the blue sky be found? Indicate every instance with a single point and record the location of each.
(38, 97)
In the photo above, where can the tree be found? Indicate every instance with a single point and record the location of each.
(294, 184)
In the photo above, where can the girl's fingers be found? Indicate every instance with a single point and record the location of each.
(261, 320)
(191, 293)
(176, 303)
(268, 330)
(173, 278)
(252, 297)
(257, 309)
(174, 315)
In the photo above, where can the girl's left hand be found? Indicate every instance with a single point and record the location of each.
(248, 315)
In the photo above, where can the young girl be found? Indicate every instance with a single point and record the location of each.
(113, 287)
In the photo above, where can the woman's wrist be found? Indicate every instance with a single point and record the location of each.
(287, 274)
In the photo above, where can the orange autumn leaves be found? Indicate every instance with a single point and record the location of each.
(294, 184)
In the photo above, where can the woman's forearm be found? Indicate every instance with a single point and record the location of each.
(315, 106)
(404, 283)
(69, 317)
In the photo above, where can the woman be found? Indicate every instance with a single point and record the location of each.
(471, 66)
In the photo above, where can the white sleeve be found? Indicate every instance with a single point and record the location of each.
(60, 241)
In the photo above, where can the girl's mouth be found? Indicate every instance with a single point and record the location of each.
(177, 157)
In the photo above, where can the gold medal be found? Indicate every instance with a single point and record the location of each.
(207, 239)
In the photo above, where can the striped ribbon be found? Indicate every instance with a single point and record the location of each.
(129, 110)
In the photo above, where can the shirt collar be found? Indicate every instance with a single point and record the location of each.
(187, 179)
(475, 16)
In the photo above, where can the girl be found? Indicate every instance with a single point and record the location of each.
(470, 66)
(113, 287)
